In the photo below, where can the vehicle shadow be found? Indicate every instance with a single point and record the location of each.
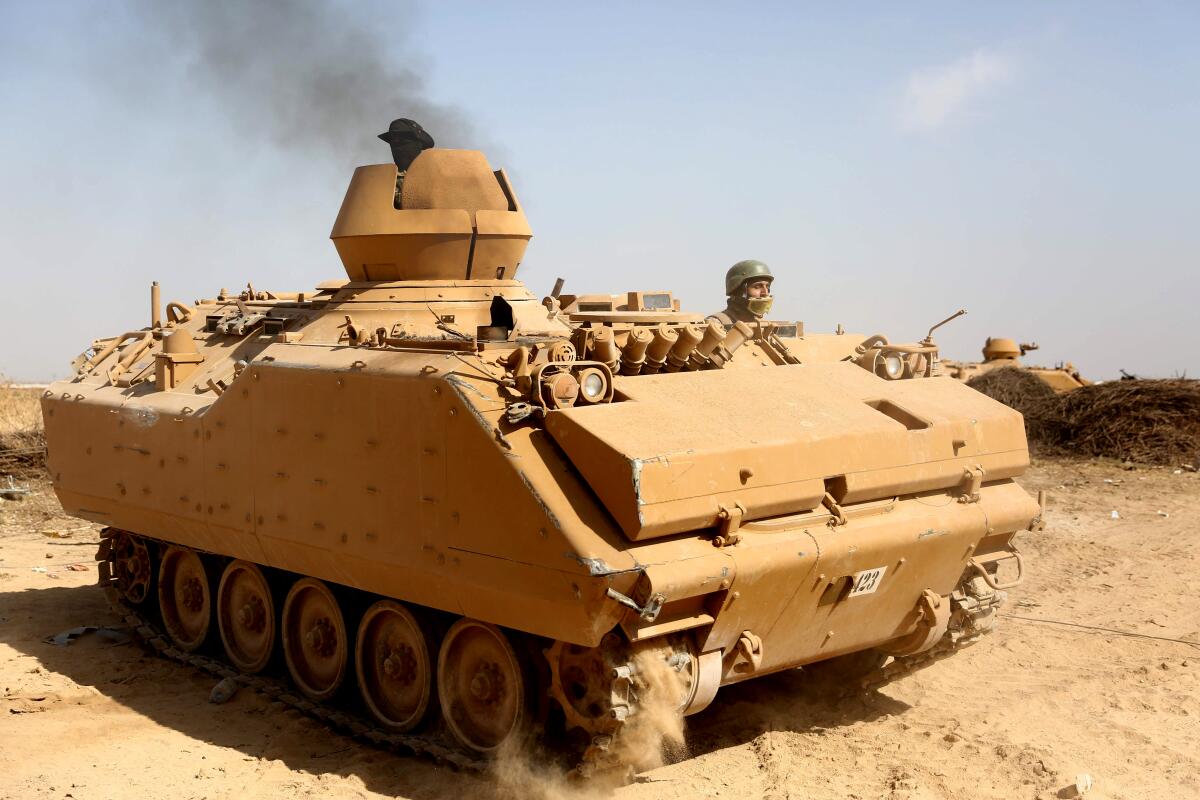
(792, 700)
(175, 696)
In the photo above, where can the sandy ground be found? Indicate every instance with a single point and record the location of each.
(1017, 716)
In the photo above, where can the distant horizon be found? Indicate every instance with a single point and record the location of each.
(1034, 164)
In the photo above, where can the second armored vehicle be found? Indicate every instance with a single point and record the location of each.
(998, 353)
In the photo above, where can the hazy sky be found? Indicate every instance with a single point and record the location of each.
(1038, 164)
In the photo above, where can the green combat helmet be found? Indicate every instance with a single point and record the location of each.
(744, 271)
(737, 277)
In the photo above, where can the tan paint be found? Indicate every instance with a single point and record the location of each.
(998, 353)
(459, 220)
(362, 434)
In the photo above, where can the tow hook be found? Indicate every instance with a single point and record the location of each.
(933, 619)
(929, 603)
(749, 647)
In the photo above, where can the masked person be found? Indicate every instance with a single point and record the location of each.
(748, 287)
(407, 139)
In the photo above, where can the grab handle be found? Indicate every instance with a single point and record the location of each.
(991, 581)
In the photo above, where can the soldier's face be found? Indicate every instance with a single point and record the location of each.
(758, 289)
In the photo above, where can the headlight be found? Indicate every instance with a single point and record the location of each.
(593, 385)
(890, 366)
(560, 391)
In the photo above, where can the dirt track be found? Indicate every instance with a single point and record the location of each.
(1018, 716)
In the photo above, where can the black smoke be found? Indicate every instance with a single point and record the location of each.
(305, 75)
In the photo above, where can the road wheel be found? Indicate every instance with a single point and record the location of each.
(184, 598)
(314, 639)
(246, 616)
(394, 667)
(482, 686)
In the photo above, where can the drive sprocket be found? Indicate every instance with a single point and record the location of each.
(592, 685)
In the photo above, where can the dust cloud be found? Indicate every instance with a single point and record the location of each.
(520, 772)
(651, 736)
(318, 77)
(656, 732)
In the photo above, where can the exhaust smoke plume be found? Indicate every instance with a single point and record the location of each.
(305, 75)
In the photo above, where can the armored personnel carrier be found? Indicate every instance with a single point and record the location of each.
(426, 487)
(999, 352)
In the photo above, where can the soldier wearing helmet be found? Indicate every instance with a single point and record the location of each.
(748, 287)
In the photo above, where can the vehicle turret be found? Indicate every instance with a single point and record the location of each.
(455, 219)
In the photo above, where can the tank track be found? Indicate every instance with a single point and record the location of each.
(346, 723)
(903, 666)
(970, 624)
(973, 615)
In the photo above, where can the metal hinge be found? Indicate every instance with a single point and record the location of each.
(972, 479)
(730, 523)
(839, 517)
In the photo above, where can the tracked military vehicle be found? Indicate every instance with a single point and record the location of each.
(999, 353)
(427, 487)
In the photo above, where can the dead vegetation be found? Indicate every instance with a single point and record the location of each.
(1019, 389)
(22, 440)
(1143, 421)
